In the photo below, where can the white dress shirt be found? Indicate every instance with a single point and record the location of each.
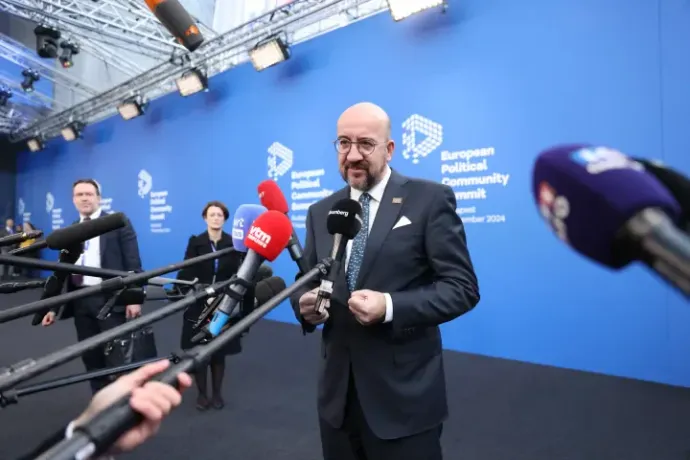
(376, 194)
(91, 257)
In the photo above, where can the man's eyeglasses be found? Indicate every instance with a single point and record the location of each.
(365, 147)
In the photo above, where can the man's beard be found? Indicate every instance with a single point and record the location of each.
(369, 178)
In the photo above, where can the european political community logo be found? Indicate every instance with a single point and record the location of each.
(50, 202)
(144, 183)
(421, 136)
(280, 159)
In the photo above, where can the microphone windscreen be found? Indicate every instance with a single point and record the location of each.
(241, 223)
(588, 193)
(72, 235)
(266, 289)
(272, 197)
(269, 235)
(345, 218)
(178, 22)
(675, 182)
(265, 271)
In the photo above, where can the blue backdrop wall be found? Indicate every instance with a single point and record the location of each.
(492, 83)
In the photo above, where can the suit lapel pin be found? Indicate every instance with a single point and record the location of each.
(397, 200)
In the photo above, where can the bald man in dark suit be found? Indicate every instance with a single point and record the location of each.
(382, 393)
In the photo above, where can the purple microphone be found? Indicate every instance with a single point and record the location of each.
(608, 208)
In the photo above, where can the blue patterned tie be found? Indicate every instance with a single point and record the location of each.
(358, 244)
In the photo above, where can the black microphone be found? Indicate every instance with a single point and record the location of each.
(178, 22)
(344, 222)
(56, 282)
(9, 288)
(20, 237)
(266, 289)
(265, 271)
(68, 237)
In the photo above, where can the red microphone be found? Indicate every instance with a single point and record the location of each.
(266, 239)
(272, 198)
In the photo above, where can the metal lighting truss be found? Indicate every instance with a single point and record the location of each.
(104, 28)
(296, 22)
(12, 119)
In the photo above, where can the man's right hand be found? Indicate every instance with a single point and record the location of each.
(48, 319)
(306, 308)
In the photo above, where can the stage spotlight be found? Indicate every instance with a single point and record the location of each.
(269, 53)
(47, 41)
(401, 9)
(69, 49)
(192, 82)
(30, 76)
(73, 131)
(5, 95)
(35, 144)
(132, 108)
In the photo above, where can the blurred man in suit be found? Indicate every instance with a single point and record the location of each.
(381, 393)
(6, 271)
(116, 250)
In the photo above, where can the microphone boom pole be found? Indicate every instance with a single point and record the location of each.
(80, 270)
(105, 428)
(28, 368)
(12, 396)
(9, 288)
(112, 284)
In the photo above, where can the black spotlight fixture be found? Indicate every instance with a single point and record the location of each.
(69, 49)
(132, 107)
(73, 131)
(35, 144)
(30, 76)
(47, 41)
(5, 95)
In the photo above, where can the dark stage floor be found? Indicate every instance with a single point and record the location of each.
(500, 410)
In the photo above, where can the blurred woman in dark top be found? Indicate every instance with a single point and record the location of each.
(213, 239)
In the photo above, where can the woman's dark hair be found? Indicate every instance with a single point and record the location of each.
(216, 204)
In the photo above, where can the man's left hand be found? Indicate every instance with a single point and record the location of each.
(132, 311)
(369, 307)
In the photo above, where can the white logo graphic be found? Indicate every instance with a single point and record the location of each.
(238, 228)
(145, 183)
(414, 126)
(338, 212)
(50, 202)
(279, 160)
(21, 207)
(601, 159)
(259, 236)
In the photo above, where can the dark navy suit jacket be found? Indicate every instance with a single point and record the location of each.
(426, 268)
(119, 251)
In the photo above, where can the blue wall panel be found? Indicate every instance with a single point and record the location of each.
(506, 77)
